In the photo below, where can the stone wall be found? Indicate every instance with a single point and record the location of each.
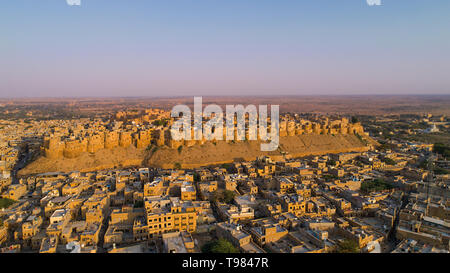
(54, 147)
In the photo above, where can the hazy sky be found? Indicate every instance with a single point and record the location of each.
(223, 47)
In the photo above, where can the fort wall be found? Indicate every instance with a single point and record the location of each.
(55, 147)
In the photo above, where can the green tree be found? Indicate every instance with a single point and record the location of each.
(229, 167)
(160, 122)
(139, 204)
(329, 177)
(389, 161)
(196, 177)
(442, 149)
(228, 196)
(423, 165)
(6, 202)
(348, 246)
(375, 185)
(219, 246)
(224, 196)
(331, 162)
(439, 170)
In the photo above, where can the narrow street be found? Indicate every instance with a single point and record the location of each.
(392, 240)
(24, 158)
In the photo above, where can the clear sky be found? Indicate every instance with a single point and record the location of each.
(223, 47)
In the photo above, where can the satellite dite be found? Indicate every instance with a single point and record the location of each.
(73, 2)
(373, 2)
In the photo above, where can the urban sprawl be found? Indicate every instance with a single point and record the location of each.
(391, 195)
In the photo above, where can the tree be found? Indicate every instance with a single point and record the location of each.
(330, 177)
(224, 196)
(196, 177)
(228, 196)
(160, 122)
(423, 165)
(219, 246)
(138, 204)
(6, 202)
(389, 161)
(375, 186)
(354, 119)
(439, 170)
(229, 167)
(386, 146)
(348, 246)
(442, 149)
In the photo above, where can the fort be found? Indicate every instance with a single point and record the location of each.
(107, 146)
(54, 147)
(72, 147)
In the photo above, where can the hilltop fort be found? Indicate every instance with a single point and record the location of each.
(143, 138)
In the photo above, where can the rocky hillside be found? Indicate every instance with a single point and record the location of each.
(196, 156)
(222, 152)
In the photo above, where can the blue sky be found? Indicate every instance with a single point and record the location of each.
(223, 47)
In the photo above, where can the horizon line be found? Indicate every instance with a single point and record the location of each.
(222, 96)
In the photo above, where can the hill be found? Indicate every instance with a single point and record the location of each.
(198, 155)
